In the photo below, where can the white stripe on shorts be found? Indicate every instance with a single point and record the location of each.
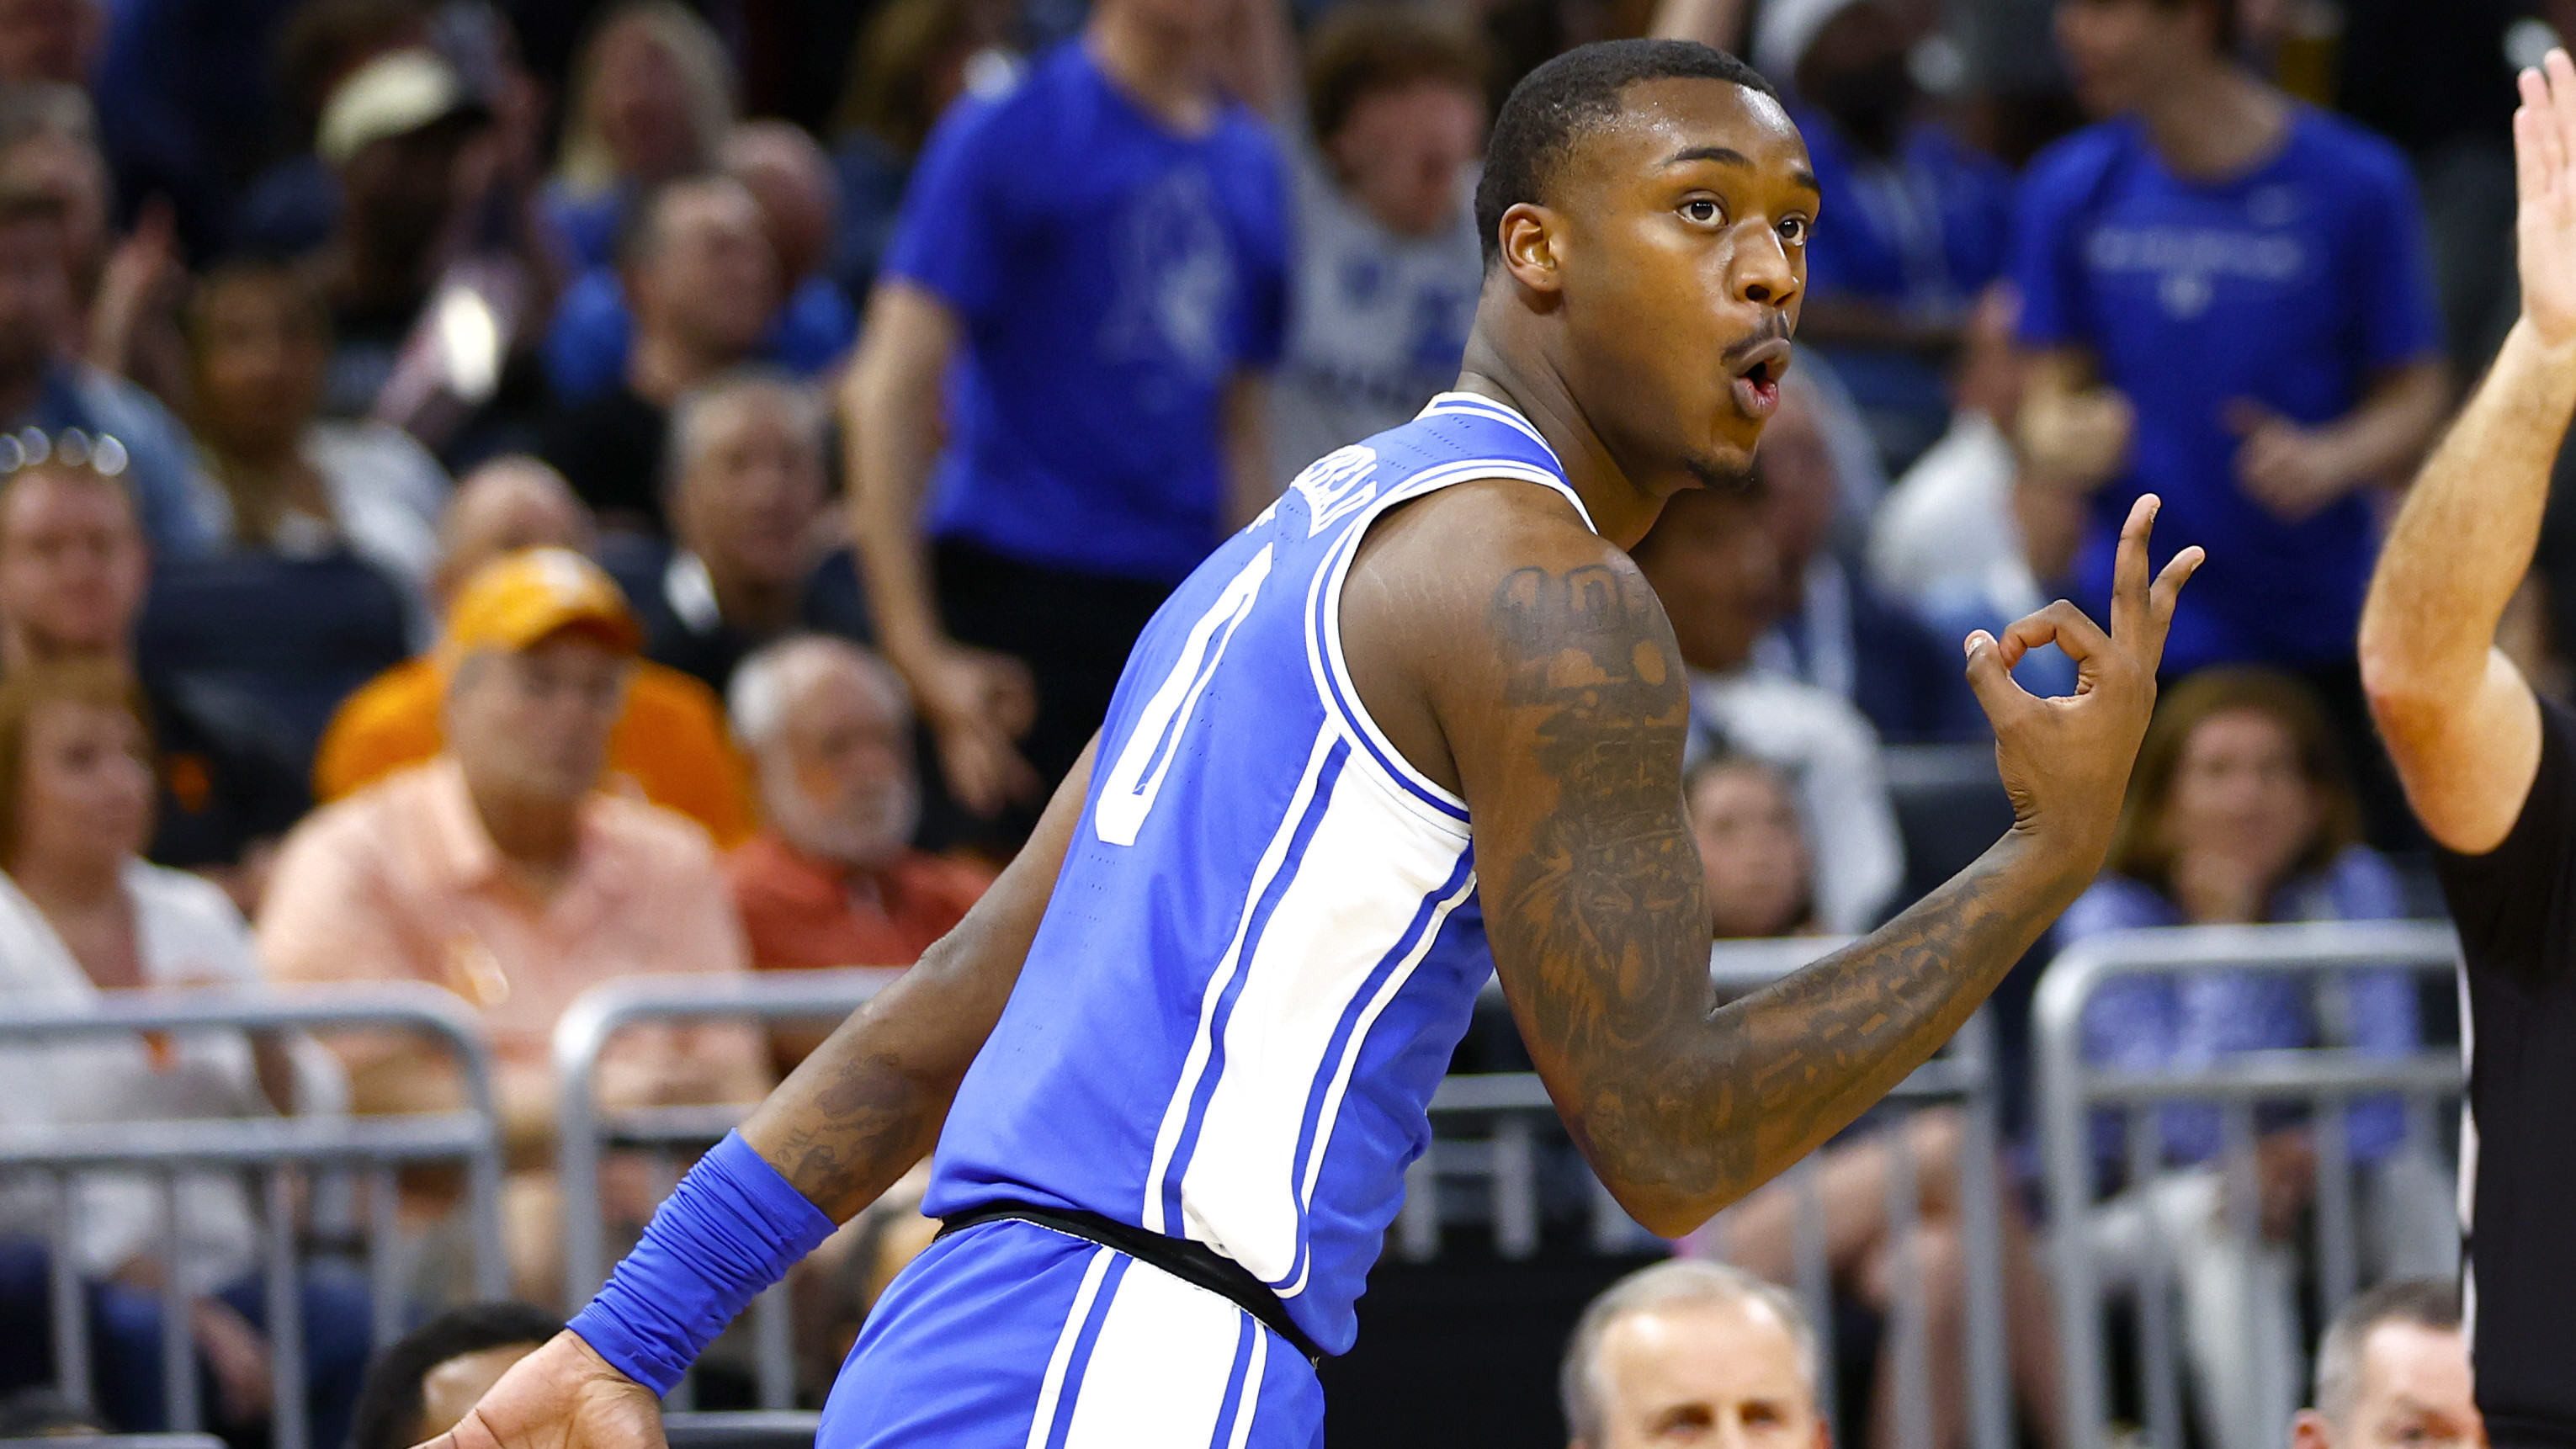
(1052, 1387)
(1158, 1371)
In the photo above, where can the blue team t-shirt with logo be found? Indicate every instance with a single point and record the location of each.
(2293, 285)
(1112, 275)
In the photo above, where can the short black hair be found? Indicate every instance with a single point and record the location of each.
(389, 1405)
(1575, 93)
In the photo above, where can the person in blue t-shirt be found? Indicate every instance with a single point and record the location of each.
(1091, 273)
(2230, 299)
(1921, 222)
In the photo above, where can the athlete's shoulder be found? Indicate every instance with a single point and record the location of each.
(1456, 551)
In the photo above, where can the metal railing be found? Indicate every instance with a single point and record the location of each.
(274, 1148)
(1489, 1126)
(2324, 1080)
(586, 1130)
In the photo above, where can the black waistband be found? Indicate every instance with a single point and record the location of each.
(1192, 1263)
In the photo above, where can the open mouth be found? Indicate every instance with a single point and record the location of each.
(1757, 379)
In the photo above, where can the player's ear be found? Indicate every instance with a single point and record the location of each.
(1528, 234)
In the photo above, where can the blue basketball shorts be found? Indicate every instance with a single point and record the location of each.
(1008, 1335)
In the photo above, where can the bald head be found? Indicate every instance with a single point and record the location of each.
(508, 504)
(792, 180)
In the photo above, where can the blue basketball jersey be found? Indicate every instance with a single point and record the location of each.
(1265, 941)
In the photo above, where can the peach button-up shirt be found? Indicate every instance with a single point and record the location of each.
(402, 882)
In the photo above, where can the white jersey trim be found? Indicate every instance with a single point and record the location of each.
(1331, 1114)
(1333, 683)
(1509, 416)
(1176, 1110)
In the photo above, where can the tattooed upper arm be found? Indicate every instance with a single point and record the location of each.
(1585, 857)
(1569, 734)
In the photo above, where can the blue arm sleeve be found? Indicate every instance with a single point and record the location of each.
(732, 1227)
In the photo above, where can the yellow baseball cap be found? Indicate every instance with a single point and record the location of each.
(517, 600)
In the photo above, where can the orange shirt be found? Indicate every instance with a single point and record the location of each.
(801, 911)
(401, 882)
(670, 743)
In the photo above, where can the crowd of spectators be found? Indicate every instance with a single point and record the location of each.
(512, 497)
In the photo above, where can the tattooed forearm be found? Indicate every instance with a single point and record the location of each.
(1819, 1047)
(870, 1121)
(869, 1102)
(1597, 906)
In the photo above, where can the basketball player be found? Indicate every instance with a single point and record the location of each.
(2490, 768)
(1174, 1065)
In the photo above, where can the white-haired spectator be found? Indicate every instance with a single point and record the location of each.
(832, 879)
(1686, 1350)
(2393, 1373)
(754, 555)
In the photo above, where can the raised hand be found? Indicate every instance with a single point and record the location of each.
(2065, 760)
(563, 1396)
(2544, 152)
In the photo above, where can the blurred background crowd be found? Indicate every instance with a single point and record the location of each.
(517, 495)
